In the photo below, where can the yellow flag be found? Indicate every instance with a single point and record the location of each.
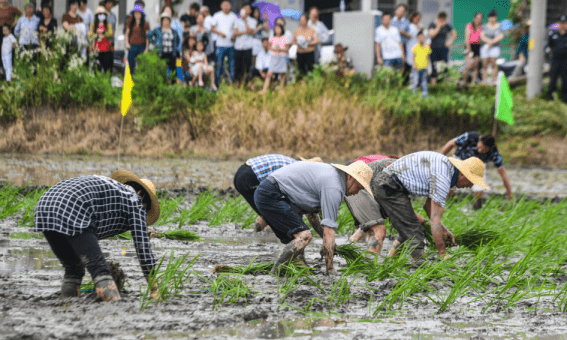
(127, 91)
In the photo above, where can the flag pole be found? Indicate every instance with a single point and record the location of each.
(120, 138)
(497, 101)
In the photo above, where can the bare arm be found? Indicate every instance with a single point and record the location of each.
(378, 56)
(329, 247)
(315, 40)
(434, 31)
(214, 30)
(403, 52)
(467, 38)
(453, 37)
(484, 38)
(450, 145)
(436, 211)
(498, 38)
(313, 219)
(506, 181)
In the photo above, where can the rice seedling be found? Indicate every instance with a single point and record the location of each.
(124, 236)
(250, 269)
(295, 276)
(27, 236)
(168, 207)
(470, 238)
(29, 203)
(351, 253)
(170, 280)
(200, 210)
(345, 221)
(180, 235)
(231, 288)
(232, 210)
(10, 201)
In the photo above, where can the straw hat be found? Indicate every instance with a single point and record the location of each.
(472, 168)
(103, 2)
(101, 10)
(124, 176)
(314, 159)
(164, 15)
(359, 171)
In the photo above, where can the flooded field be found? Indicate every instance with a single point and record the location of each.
(514, 287)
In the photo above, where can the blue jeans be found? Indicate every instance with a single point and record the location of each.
(395, 63)
(135, 50)
(220, 54)
(277, 211)
(419, 77)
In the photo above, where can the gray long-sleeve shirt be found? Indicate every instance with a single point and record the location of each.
(313, 187)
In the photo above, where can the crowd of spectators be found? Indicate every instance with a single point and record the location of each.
(251, 47)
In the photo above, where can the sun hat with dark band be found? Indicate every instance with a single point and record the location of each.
(361, 172)
(473, 169)
(314, 159)
(124, 176)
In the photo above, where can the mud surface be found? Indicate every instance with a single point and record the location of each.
(169, 173)
(30, 306)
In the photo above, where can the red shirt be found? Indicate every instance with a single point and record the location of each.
(102, 45)
(371, 158)
(8, 15)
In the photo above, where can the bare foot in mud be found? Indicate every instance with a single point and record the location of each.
(107, 290)
(260, 224)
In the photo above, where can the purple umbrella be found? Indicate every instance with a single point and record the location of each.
(273, 10)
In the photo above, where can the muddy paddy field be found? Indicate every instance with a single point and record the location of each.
(513, 285)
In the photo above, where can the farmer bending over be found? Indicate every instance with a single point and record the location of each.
(75, 213)
(254, 171)
(366, 211)
(473, 144)
(424, 173)
(306, 187)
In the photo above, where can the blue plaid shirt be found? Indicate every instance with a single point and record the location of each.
(402, 25)
(425, 173)
(264, 165)
(466, 148)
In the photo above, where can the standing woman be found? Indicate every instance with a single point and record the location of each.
(101, 18)
(47, 27)
(491, 34)
(257, 42)
(166, 40)
(414, 29)
(75, 213)
(472, 44)
(306, 40)
(278, 62)
(136, 32)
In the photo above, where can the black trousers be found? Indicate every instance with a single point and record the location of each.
(171, 62)
(105, 61)
(242, 63)
(256, 73)
(246, 183)
(558, 69)
(305, 62)
(77, 252)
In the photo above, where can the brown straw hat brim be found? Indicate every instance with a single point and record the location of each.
(124, 176)
(466, 171)
(359, 179)
(314, 159)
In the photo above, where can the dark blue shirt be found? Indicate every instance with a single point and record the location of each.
(466, 148)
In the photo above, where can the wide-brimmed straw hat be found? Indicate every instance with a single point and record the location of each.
(124, 176)
(360, 171)
(100, 10)
(163, 16)
(472, 168)
(314, 159)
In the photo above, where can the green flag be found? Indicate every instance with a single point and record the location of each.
(504, 102)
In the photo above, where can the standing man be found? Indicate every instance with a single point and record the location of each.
(482, 146)
(208, 23)
(557, 41)
(108, 4)
(223, 25)
(85, 13)
(190, 18)
(438, 31)
(26, 29)
(389, 47)
(403, 25)
(302, 188)
(244, 33)
(429, 174)
(321, 29)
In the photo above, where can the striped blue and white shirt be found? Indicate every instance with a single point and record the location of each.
(425, 173)
(264, 165)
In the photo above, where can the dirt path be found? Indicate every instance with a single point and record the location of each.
(168, 173)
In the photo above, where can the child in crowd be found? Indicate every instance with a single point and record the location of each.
(8, 44)
(278, 61)
(421, 54)
(200, 66)
(188, 48)
(102, 47)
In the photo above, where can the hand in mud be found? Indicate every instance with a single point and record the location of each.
(449, 238)
(155, 294)
(322, 252)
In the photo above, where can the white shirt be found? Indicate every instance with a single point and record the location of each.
(263, 60)
(8, 44)
(208, 23)
(225, 23)
(413, 31)
(88, 17)
(321, 29)
(245, 41)
(389, 40)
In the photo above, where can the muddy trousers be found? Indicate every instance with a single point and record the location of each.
(77, 252)
(394, 200)
(246, 183)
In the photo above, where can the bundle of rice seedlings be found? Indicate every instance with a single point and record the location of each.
(123, 236)
(471, 238)
(181, 235)
(351, 252)
(264, 267)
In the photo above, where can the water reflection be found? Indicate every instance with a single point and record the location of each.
(17, 259)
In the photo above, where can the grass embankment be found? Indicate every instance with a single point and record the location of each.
(337, 118)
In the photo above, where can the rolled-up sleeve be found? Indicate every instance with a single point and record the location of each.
(139, 229)
(331, 199)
